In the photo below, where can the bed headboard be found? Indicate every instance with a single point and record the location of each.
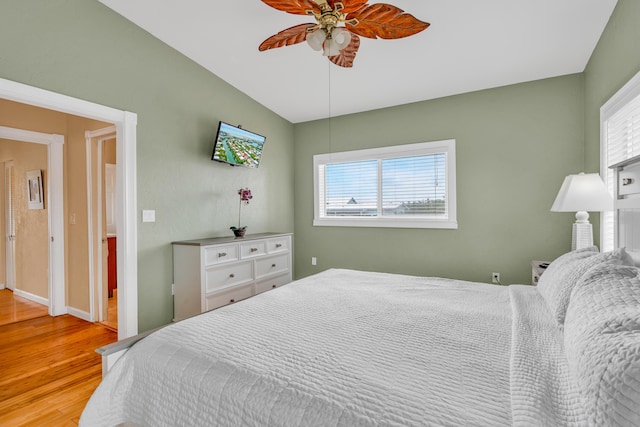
(627, 206)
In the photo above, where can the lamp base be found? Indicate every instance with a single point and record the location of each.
(582, 235)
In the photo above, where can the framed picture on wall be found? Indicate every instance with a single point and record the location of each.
(35, 195)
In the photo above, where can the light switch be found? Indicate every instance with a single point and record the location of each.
(148, 216)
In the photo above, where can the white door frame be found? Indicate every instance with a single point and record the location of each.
(55, 210)
(101, 135)
(126, 218)
(9, 226)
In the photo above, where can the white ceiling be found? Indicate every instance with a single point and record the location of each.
(470, 45)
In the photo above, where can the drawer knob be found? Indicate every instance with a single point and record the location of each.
(254, 249)
(278, 245)
(273, 286)
(231, 301)
(232, 275)
(221, 254)
(273, 265)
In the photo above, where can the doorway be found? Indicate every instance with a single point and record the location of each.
(126, 124)
(53, 255)
(103, 230)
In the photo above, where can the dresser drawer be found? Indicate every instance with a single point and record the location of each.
(218, 254)
(223, 276)
(272, 283)
(279, 244)
(273, 265)
(253, 249)
(220, 299)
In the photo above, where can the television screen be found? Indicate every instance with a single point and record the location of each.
(237, 146)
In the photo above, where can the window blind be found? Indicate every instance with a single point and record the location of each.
(398, 186)
(414, 185)
(622, 142)
(351, 189)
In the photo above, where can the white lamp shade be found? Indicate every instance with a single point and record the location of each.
(583, 192)
(316, 38)
(330, 47)
(342, 37)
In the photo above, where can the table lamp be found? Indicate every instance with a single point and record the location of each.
(581, 193)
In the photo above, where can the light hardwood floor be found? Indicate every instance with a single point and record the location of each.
(48, 366)
(112, 312)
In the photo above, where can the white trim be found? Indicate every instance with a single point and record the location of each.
(382, 222)
(390, 152)
(127, 226)
(622, 97)
(55, 209)
(101, 135)
(9, 225)
(126, 123)
(90, 243)
(57, 293)
(26, 135)
(79, 314)
(31, 297)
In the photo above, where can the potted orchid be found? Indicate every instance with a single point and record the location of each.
(245, 197)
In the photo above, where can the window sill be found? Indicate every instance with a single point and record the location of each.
(386, 223)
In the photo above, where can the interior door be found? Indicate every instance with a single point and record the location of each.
(10, 227)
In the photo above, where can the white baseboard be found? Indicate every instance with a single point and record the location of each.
(31, 297)
(2, 286)
(79, 314)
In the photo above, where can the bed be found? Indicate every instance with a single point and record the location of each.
(353, 348)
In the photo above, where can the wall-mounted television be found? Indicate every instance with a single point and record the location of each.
(237, 146)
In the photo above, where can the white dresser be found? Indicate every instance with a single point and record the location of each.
(210, 273)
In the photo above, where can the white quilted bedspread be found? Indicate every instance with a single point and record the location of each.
(341, 348)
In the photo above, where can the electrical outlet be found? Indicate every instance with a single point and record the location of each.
(495, 278)
(314, 261)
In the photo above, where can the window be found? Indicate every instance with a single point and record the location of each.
(410, 186)
(619, 141)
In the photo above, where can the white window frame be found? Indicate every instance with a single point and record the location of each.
(619, 100)
(408, 150)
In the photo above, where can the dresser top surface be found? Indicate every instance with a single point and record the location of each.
(229, 239)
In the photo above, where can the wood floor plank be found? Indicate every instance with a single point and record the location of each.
(49, 369)
(15, 309)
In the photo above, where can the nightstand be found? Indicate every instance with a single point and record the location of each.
(536, 271)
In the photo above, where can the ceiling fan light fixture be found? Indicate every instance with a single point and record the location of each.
(341, 43)
(330, 47)
(342, 37)
(316, 39)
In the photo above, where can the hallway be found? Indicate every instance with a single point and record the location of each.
(49, 367)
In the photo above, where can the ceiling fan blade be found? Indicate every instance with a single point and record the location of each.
(352, 5)
(295, 7)
(287, 37)
(385, 21)
(348, 54)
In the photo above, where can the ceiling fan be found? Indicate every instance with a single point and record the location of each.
(340, 43)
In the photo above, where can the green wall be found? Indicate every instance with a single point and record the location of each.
(615, 61)
(514, 146)
(83, 49)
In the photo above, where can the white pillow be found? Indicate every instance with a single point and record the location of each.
(560, 277)
(602, 343)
